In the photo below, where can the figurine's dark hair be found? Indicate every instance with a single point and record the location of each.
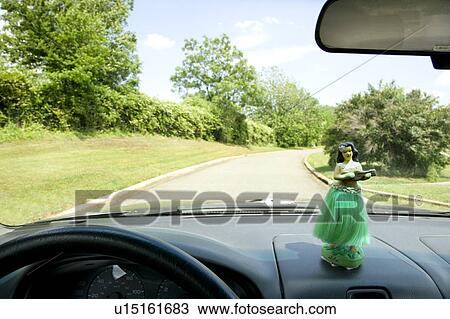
(340, 157)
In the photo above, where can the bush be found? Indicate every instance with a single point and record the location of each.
(289, 134)
(17, 96)
(232, 123)
(60, 101)
(137, 113)
(403, 133)
(190, 119)
(68, 101)
(11, 132)
(259, 134)
(301, 128)
(206, 123)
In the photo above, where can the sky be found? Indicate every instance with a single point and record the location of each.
(269, 32)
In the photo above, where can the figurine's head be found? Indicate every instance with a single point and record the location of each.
(347, 151)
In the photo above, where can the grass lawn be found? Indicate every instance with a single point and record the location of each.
(40, 175)
(398, 185)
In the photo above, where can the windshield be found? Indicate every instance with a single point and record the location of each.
(187, 103)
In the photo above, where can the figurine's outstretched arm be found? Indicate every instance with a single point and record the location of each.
(340, 175)
(367, 176)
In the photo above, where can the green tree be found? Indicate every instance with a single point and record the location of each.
(89, 35)
(403, 132)
(217, 71)
(81, 51)
(296, 117)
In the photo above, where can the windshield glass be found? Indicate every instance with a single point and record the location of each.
(188, 103)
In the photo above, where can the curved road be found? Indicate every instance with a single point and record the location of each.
(281, 171)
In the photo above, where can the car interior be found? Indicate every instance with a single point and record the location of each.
(252, 251)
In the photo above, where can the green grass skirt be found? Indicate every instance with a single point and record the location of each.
(343, 218)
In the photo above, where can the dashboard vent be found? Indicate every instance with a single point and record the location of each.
(367, 293)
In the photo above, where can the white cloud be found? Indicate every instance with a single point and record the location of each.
(250, 40)
(159, 41)
(250, 25)
(252, 32)
(271, 20)
(443, 79)
(278, 56)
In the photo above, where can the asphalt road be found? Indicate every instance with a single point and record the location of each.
(281, 171)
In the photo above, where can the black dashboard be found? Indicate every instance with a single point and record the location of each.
(258, 256)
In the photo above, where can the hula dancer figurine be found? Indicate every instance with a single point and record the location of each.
(342, 224)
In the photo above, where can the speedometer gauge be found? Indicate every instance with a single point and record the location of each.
(169, 290)
(116, 283)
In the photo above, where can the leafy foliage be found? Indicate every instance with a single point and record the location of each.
(295, 116)
(404, 132)
(83, 35)
(73, 58)
(217, 71)
(206, 122)
(190, 119)
(259, 134)
(17, 96)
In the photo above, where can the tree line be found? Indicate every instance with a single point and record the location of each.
(72, 65)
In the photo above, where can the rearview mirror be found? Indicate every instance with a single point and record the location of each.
(399, 27)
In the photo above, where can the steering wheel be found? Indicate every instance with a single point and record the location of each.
(186, 271)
